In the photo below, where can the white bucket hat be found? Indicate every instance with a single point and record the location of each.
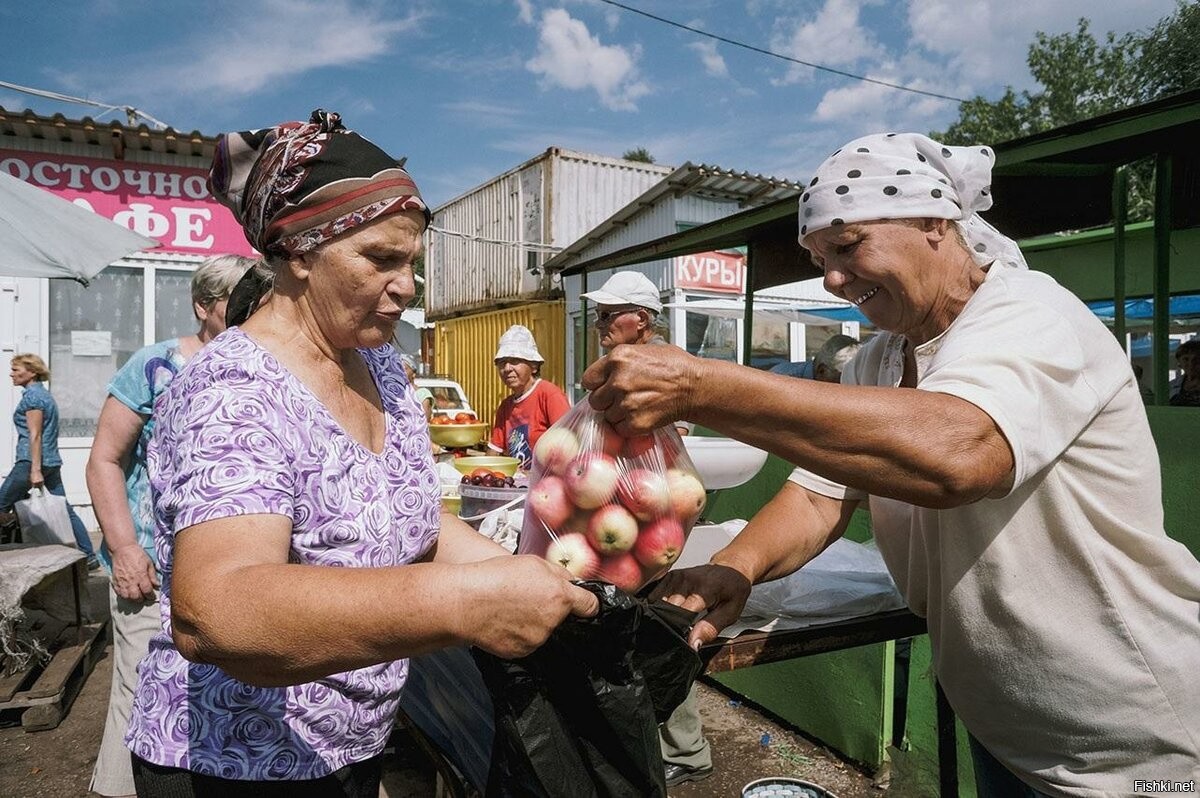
(627, 288)
(517, 342)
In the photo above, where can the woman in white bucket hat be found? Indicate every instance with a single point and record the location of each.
(533, 404)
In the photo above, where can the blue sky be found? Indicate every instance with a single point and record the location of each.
(467, 90)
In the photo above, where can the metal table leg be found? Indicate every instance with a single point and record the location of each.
(947, 744)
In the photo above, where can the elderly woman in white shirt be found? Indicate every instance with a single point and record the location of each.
(996, 431)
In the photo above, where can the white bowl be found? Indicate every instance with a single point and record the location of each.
(723, 462)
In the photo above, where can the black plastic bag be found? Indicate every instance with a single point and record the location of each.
(579, 717)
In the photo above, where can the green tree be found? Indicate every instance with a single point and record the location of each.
(1170, 54)
(1081, 78)
(640, 154)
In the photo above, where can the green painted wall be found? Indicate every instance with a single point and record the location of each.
(1177, 434)
(915, 765)
(1083, 262)
(843, 699)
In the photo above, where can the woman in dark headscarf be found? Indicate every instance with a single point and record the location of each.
(296, 504)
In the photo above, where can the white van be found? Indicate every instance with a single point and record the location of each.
(449, 398)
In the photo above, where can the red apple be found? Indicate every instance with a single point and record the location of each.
(623, 571)
(591, 480)
(638, 446)
(555, 449)
(573, 553)
(687, 495)
(549, 502)
(612, 529)
(606, 439)
(645, 493)
(659, 543)
(578, 522)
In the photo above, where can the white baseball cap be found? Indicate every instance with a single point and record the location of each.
(517, 342)
(627, 288)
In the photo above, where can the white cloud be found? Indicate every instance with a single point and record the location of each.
(714, 63)
(986, 43)
(833, 38)
(570, 57)
(483, 115)
(276, 41)
(525, 11)
(859, 107)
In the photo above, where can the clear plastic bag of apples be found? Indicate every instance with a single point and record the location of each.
(608, 507)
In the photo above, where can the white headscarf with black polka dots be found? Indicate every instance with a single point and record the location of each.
(908, 176)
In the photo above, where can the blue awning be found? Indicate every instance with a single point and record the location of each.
(1141, 346)
(839, 314)
(1179, 306)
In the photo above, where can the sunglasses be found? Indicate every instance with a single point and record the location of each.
(606, 316)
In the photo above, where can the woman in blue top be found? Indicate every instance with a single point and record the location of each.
(120, 487)
(38, 464)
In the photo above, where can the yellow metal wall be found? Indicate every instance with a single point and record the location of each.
(464, 348)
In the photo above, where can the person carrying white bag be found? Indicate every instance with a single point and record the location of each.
(44, 518)
(37, 463)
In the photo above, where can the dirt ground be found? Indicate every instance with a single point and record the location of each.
(58, 763)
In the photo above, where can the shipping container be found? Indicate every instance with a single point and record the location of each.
(465, 347)
(485, 248)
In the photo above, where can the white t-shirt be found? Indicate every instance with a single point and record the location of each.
(1065, 624)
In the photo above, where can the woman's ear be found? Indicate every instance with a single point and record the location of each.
(299, 266)
(937, 229)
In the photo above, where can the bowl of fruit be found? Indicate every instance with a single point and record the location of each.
(488, 466)
(457, 432)
(484, 490)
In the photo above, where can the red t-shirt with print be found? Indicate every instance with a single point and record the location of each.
(520, 421)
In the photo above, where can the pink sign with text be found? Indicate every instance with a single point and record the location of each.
(711, 271)
(170, 204)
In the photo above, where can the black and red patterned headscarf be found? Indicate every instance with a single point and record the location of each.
(297, 185)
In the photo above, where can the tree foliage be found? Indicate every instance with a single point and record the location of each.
(640, 154)
(1081, 77)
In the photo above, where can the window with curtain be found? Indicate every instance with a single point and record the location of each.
(93, 331)
(173, 317)
(709, 336)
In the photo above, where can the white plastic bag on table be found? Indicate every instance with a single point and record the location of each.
(44, 518)
(847, 580)
(607, 507)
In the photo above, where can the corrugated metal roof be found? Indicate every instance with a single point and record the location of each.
(702, 180)
(551, 153)
(114, 135)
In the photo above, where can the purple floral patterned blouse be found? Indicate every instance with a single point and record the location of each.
(238, 434)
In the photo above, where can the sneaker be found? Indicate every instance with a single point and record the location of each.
(678, 774)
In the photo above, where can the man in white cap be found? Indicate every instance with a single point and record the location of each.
(627, 308)
(533, 404)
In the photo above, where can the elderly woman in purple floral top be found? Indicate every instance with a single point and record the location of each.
(297, 509)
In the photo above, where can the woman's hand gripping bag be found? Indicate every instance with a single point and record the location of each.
(608, 507)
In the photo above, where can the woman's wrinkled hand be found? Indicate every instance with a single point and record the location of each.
(133, 574)
(640, 388)
(718, 589)
(510, 605)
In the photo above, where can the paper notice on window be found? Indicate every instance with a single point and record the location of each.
(91, 343)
